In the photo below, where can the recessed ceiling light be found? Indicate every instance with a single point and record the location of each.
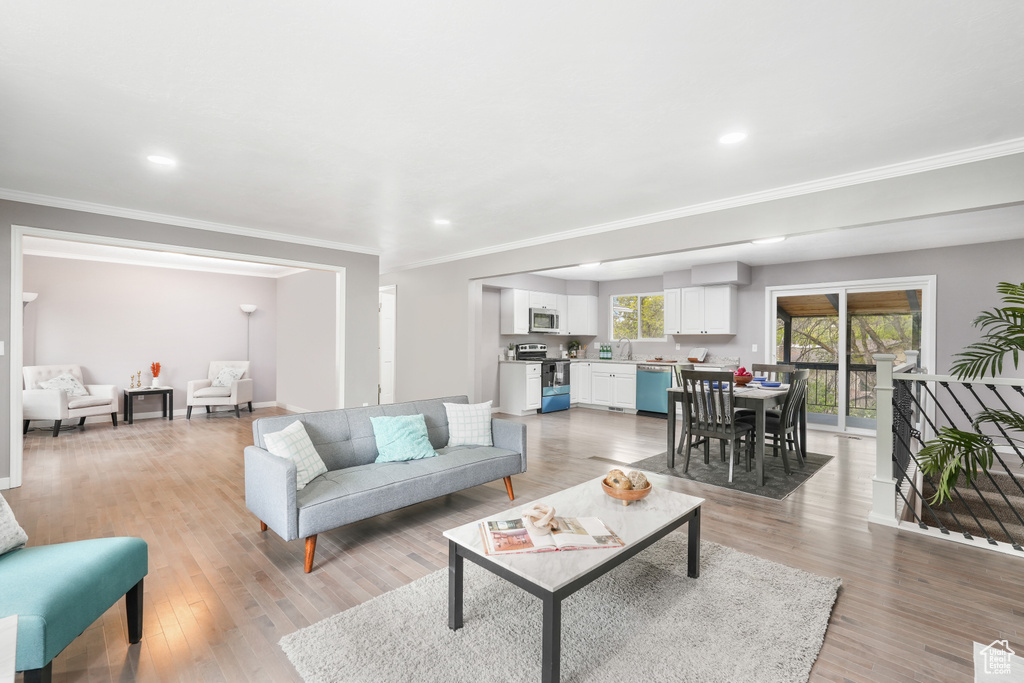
(590, 265)
(733, 138)
(442, 221)
(161, 160)
(768, 240)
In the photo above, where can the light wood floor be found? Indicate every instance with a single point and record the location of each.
(220, 594)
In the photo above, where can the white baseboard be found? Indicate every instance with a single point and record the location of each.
(5, 483)
(291, 408)
(181, 412)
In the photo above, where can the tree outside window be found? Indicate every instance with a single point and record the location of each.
(638, 317)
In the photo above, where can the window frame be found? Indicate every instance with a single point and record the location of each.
(639, 296)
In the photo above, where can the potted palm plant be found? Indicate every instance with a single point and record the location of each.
(953, 452)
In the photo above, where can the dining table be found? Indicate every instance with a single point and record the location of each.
(757, 398)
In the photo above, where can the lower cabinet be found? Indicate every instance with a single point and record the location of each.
(519, 388)
(580, 383)
(613, 385)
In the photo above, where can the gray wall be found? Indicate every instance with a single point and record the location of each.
(455, 288)
(306, 341)
(360, 288)
(491, 343)
(115, 319)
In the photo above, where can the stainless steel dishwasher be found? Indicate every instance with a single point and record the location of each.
(652, 385)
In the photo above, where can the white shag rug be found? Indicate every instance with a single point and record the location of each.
(744, 619)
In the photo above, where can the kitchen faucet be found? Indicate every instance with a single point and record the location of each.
(629, 355)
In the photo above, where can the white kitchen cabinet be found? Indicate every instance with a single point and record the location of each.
(613, 385)
(515, 311)
(519, 388)
(580, 383)
(562, 306)
(543, 300)
(708, 310)
(581, 316)
(673, 312)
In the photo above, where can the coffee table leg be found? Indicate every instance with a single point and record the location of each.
(552, 644)
(671, 448)
(454, 587)
(693, 546)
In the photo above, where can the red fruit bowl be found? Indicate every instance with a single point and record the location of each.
(742, 379)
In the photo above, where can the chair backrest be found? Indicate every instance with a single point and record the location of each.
(794, 397)
(217, 365)
(34, 374)
(707, 401)
(775, 373)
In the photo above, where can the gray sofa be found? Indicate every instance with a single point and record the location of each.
(355, 487)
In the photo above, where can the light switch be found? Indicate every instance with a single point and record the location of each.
(753, 347)
(1, 348)
(678, 347)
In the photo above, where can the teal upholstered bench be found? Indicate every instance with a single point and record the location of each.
(58, 590)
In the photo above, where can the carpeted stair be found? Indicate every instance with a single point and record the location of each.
(1008, 513)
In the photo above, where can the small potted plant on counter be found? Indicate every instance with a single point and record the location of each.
(511, 355)
(574, 348)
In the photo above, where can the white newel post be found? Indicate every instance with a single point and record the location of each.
(883, 485)
(913, 358)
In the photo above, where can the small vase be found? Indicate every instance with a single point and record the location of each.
(156, 382)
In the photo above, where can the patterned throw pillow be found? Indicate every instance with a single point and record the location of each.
(402, 437)
(293, 443)
(469, 425)
(11, 534)
(67, 383)
(226, 376)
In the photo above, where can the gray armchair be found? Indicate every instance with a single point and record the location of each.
(54, 404)
(201, 392)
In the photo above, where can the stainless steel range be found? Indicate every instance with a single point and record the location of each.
(554, 376)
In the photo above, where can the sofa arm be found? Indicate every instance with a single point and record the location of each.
(270, 491)
(104, 390)
(241, 391)
(509, 435)
(44, 404)
(194, 385)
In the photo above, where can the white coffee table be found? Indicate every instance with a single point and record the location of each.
(553, 576)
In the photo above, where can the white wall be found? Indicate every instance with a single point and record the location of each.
(307, 341)
(115, 319)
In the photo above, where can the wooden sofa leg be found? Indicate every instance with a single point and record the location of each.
(508, 488)
(250, 406)
(188, 413)
(44, 675)
(310, 549)
(238, 414)
(263, 525)
(133, 605)
(113, 418)
(24, 427)
(56, 428)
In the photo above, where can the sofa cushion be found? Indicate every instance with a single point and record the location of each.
(402, 437)
(87, 402)
(293, 443)
(11, 534)
(345, 496)
(67, 383)
(208, 392)
(226, 376)
(469, 425)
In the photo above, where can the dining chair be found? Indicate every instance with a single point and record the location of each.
(783, 427)
(707, 410)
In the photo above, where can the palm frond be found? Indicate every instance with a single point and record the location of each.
(1007, 419)
(954, 453)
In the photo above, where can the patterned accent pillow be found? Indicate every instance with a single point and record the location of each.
(11, 534)
(469, 425)
(67, 383)
(226, 376)
(293, 443)
(402, 437)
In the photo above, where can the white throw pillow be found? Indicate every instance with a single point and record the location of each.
(293, 443)
(226, 376)
(11, 534)
(67, 383)
(469, 425)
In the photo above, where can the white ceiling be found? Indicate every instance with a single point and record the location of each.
(991, 225)
(359, 123)
(84, 251)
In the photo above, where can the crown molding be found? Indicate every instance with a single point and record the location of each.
(277, 273)
(967, 156)
(150, 217)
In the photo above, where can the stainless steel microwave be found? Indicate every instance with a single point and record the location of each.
(543, 320)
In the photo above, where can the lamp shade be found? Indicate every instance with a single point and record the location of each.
(248, 308)
(29, 297)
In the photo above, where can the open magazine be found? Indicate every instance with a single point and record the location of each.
(506, 537)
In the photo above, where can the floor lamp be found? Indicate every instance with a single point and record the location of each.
(248, 309)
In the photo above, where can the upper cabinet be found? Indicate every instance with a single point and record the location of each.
(701, 310)
(515, 311)
(580, 316)
(543, 300)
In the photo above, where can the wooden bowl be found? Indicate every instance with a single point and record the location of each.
(742, 379)
(627, 496)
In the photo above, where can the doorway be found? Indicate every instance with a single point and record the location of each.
(387, 306)
(834, 330)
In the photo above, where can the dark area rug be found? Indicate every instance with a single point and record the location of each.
(777, 484)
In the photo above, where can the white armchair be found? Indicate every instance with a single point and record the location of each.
(54, 404)
(201, 392)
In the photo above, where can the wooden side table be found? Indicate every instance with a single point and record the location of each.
(129, 400)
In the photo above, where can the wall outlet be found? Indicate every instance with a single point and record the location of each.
(679, 347)
(753, 347)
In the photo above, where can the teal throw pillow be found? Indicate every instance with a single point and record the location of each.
(403, 437)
